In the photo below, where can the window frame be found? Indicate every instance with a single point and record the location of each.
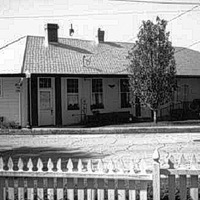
(124, 92)
(1, 87)
(95, 106)
(72, 93)
(43, 88)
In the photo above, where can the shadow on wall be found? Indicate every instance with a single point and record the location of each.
(44, 153)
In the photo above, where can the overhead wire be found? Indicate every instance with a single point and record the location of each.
(92, 14)
(3, 47)
(160, 2)
(181, 14)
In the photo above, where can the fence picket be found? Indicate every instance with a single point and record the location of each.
(30, 165)
(20, 193)
(20, 164)
(40, 187)
(2, 188)
(10, 164)
(90, 189)
(100, 190)
(11, 193)
(70, 165)
(39, 165)
(172, 187)
(183, 187)
(1, 164)
(30, 188)
(100, 166)
(50, 165)
(80, 165)
(156, 175)
(80, 185)
(20, 188)
(143, 190)
(30, 193)
(142, 166)
(70, 188)
(58, 165)
(111, 189)
(132, 191)
(194, 187)
(89, 166)
(193, 162)
(60, 189)
(182, 162)
(111, 167)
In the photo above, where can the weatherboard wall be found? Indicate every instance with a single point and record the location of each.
(9, 100)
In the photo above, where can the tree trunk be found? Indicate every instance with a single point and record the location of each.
(155, 116)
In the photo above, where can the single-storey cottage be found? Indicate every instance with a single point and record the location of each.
(52, 81)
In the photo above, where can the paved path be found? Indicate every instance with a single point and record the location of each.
(112, 146)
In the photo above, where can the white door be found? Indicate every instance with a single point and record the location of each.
(46, 109)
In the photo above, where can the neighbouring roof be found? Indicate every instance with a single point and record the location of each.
(11, 57)
(75, 56)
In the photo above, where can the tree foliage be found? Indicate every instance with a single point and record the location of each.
(152, 65)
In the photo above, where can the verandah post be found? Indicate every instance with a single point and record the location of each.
(156, 175)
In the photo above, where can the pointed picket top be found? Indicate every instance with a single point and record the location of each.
(50, 165)
(80, 165)
(143, 166)
(100, 166)
(58, 165)
(193, 162)
(30, 165)
(121, 168)
(156, 155)
(182, 162)
(89, 165)
(132, 167)
(10, 164)
(70, 165)
(111, 167)
(39, 165)
(20, 164)
(1, 164)
(171, 162)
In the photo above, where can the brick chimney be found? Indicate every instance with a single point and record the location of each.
(100, 35)
(51, 33)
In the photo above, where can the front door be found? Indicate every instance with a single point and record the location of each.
(46, 108)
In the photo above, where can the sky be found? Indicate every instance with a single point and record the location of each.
(119, 19)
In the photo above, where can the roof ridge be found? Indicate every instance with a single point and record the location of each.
(81, 39)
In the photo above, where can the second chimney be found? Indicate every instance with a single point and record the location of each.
(51, 33)
(101, 35)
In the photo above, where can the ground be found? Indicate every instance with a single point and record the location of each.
(106, 146)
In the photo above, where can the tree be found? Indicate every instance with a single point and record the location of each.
(152, 66)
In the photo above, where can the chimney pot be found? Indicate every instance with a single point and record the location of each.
(101, 35)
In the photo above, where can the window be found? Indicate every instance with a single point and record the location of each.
(45, 82)
(1, 88)
(182, 93)
(97, 94)
(125, 93)
(72, 94)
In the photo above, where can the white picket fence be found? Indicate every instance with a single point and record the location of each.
(97, 180)
(91, 181)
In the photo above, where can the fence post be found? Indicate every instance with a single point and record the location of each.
(156, 175)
